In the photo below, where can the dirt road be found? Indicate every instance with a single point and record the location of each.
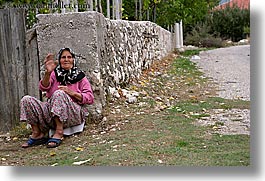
(230, 69)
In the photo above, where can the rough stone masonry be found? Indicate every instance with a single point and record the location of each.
(111, 52)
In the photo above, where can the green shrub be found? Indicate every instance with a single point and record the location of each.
(246, 31)
(200, 36)
(229, 22)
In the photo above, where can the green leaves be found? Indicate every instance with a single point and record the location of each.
(234, 18)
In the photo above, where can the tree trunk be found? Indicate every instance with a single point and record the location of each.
(136, 10)
(140, 10)
(117, 4)
(120, 9)
(108, 9)
(96, 5)
(99, 6)
(154, 14)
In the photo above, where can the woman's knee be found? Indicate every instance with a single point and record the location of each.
(58, 93)
(26, 99)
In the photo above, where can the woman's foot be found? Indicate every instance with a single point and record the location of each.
(36, 138)
(56, 139)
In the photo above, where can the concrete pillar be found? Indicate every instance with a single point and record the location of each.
(181, 33)
(120, 9)
(113, 8)
(177, 37)
(91, 5)
(117, 3)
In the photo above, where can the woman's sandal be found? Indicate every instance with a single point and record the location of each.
(34, 142)
(57, 142)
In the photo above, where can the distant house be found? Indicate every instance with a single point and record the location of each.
(242, 4)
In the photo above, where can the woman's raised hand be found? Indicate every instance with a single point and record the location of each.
(49, 62)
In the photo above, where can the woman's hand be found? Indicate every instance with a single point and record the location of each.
(49, 62)
(70, 92)
(50, 65)
(66, 90)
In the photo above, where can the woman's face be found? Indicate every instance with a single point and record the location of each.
(67, 61)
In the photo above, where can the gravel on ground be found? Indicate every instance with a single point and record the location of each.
(230, 69)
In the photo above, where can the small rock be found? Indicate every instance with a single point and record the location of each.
(131, 100)
(195, 57)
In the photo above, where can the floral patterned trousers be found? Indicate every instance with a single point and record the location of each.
(36, 112)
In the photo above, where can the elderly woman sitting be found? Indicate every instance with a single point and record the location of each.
(67, 90)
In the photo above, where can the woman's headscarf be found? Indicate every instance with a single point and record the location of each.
(68, 76)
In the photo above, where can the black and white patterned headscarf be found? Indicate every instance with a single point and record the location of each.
(68, 76)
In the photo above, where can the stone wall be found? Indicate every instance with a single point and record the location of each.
(132, 46)
(111, 52)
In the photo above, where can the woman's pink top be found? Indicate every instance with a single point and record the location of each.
(83, 87)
